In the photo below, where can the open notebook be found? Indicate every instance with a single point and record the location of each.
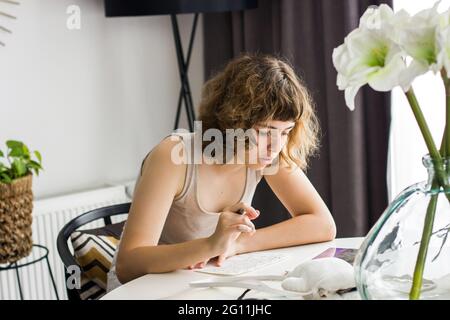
(244, 263)
(257, 260)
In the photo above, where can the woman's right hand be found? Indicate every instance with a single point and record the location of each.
(229, 227)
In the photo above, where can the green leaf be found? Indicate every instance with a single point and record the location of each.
(19, 168)
(31, 167)
(35, 164)
(18, 149)
(5, 178)
(16, 152)
(25, 150)
(1, 154)
(14, 144)
(38, 155)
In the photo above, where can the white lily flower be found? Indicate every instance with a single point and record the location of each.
(444, 50)
(444, 41)
(418, 37)
(377, 18)
(367, 57)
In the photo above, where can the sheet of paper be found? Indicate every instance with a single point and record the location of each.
(244, 263)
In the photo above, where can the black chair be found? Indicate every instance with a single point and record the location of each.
(66, 256)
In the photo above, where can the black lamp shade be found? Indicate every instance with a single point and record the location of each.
(118, 8)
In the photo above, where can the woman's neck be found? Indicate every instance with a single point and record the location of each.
(227, 168)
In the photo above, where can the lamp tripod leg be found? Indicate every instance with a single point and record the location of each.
(185, 92)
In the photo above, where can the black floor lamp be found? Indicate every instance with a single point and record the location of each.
(121, 8)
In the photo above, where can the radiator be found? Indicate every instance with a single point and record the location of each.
(49, 216)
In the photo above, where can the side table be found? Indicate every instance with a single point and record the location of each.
(41, 254)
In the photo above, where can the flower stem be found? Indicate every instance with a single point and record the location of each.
(446, 81)
(438, 180)
(422, 124)
(444, 144)
(431, 146)
(414, 294)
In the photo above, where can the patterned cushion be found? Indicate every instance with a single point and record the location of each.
(94, 250)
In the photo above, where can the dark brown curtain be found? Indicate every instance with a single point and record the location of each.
(350, 171)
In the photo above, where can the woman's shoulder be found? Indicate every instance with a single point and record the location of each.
(163, 153)
(161, 160)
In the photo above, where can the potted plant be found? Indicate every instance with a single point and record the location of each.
(16, 200)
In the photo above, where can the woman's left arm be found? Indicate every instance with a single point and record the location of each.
(311, 220)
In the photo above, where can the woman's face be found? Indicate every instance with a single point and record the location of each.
(271, 137)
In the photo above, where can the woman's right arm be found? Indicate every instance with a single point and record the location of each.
(139, 252)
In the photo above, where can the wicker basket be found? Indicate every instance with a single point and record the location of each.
(16, 206)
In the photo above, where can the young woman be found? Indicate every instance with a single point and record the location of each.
(185, 213)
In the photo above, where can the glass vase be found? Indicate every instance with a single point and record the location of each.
(385, 263)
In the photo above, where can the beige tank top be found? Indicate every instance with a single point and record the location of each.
(186, 219)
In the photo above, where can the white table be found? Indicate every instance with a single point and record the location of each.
(175, 285)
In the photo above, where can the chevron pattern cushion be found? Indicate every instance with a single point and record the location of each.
(94, 251)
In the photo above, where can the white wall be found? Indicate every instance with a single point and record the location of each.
(93, 101)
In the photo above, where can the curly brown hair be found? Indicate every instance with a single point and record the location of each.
(253, 89)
